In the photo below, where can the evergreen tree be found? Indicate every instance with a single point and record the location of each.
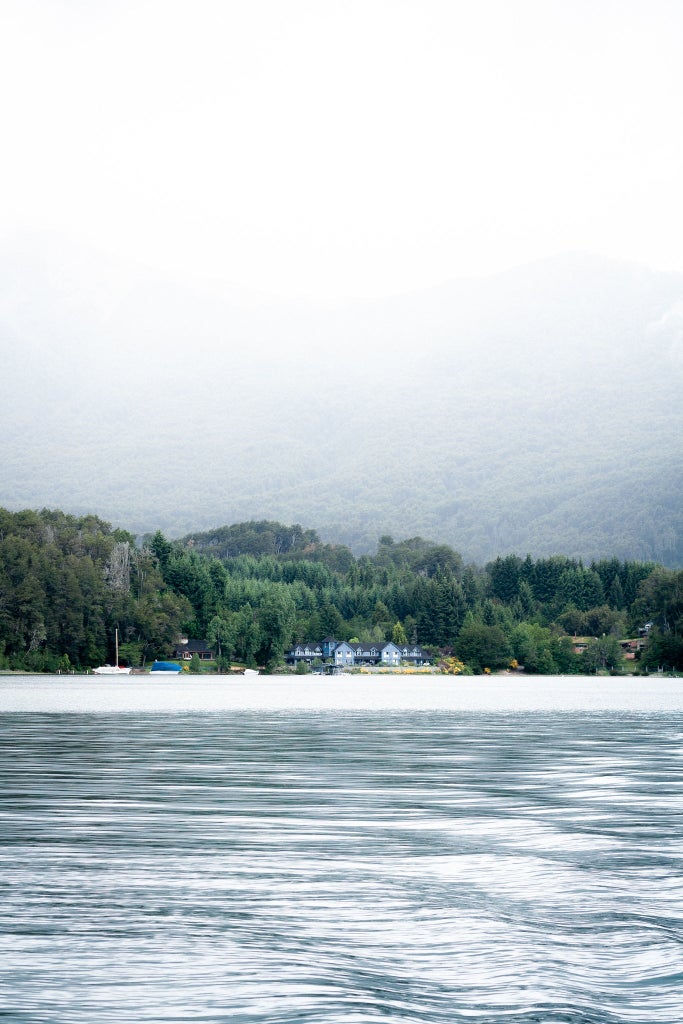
(398, 635)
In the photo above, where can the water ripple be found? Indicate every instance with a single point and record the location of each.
(342, 867)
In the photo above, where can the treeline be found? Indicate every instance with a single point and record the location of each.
(251, 590)
(67, 583)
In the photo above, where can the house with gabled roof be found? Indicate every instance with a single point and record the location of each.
(412, 654)
(186, 649)
(376, 654)
(343, 654)
(307, 652)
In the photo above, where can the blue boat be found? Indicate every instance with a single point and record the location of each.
(168, 667)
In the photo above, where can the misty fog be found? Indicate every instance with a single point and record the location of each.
(536, 411)
(304, 262)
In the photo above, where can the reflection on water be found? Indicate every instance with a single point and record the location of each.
(341, 866)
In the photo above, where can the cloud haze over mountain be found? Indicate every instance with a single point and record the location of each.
(304, 261)
(534, 411)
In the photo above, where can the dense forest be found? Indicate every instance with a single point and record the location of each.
(252, 589)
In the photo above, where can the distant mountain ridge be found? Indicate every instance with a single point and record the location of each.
(537, 411)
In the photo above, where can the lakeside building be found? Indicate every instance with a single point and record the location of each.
(185, 650)
(630, 647)
(341, 654)
(633, 647)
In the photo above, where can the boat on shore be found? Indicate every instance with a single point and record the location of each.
(169, 668)
(115, 669)
(251, 672)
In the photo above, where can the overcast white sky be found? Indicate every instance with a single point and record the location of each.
(364, 147)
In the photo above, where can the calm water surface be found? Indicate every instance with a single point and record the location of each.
(501, 851)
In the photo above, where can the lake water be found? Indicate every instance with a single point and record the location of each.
(498, 851)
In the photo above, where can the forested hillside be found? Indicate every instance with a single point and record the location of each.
(66, 584)
(252, 589)
(537, 411)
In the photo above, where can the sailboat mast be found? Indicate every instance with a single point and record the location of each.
(117, 648)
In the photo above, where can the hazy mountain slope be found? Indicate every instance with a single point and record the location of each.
(535, 411)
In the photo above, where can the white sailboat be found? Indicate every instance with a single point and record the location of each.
(115, 669)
